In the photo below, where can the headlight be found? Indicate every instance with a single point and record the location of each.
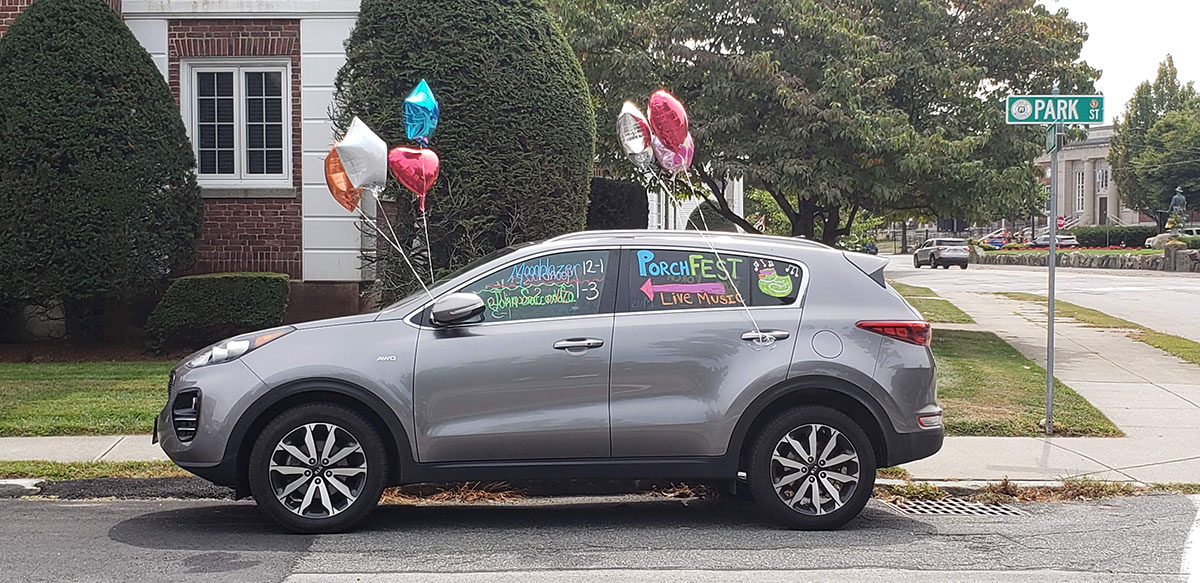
(232, 348)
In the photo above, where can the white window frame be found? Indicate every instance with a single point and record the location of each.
(1080, 184)
(1102, 180)
(239, 67)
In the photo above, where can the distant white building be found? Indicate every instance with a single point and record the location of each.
(1086, 189)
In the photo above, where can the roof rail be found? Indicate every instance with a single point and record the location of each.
(686, 235)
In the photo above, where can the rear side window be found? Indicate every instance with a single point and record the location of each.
(668, 279)
(550, 286)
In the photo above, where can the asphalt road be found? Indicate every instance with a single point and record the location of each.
(585, 540)
(1167, 302)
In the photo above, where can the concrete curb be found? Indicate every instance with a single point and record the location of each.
(15, 488)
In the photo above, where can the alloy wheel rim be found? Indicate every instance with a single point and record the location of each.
(815, 469)
(318, 470)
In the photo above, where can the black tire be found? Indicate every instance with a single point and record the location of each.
(761, 466)
(916, 264)
(369, 488)
(963, 266)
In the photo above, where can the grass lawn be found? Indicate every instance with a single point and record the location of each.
(97, 398)
(58, 471)
(1084, 251)
(987, 387)
(931, 307)
(1183, 348)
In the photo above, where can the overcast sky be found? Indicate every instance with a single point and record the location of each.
(1128, 39)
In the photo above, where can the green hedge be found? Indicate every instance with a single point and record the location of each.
(616, 204)
(1192, 242)
(1106, 236)
(201, 309)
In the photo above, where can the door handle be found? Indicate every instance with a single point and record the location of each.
(572, 343)
(765, 335)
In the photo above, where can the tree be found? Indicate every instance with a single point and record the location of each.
(1136, 146)
(836, 108)
(617, 204)
(1169, 160)
(98, 198)
(517, 131)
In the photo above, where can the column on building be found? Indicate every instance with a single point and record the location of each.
(1089, 193)
(1114, 201)
(1065, 203)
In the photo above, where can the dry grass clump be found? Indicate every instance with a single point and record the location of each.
(684, 491)
(464, 493)
(910, 491)
(1073, 489)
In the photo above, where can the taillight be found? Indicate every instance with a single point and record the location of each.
(919, 333)
(941, 248)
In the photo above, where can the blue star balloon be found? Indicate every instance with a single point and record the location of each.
(421, 113)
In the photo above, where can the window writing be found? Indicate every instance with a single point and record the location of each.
(562, 284)
(658, 279)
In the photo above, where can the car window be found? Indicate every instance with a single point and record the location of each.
(562, 284)
(953, 242)
(668, 279)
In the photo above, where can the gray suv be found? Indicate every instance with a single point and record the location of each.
(607, 354)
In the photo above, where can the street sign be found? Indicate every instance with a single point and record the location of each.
(1051, 138)
(1049, 109)
(1062, 222)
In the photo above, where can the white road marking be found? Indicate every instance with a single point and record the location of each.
(1191, 549)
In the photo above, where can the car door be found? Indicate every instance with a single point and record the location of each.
(531, 380)
(684, 347)
(923, 251)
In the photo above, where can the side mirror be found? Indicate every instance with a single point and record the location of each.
(456, 309)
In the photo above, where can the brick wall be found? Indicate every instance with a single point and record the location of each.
(9, 9)
(250, 234)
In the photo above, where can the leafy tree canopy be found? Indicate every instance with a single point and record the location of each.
(1156, 143)
(837, 107)
(517, 130)
(98, 198)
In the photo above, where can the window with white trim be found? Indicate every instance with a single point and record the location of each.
(239, 120)
(1080, 181)
(1102, 180)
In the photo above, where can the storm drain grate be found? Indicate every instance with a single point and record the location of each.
(955, 507)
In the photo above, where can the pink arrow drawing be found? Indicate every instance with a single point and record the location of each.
(650, 288)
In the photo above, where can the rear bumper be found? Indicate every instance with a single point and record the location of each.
(907, 447)
(951, 260)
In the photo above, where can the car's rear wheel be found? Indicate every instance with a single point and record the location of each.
(318, 468)
(812, 468)
(962, 266)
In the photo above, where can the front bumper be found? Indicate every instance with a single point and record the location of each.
(226, 390)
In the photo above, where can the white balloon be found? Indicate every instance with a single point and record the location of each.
(364, 156)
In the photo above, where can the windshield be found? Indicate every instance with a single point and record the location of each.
(954, 242)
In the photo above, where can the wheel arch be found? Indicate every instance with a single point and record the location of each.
(835, 393)
(299, 392)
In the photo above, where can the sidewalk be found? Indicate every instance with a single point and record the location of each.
(1152, 396)
(89, 448)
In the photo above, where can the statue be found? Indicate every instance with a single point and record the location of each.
(1177, 210)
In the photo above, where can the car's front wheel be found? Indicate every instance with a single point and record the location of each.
(916, 262)
(962, 266)
(812, 468)
(318, 468)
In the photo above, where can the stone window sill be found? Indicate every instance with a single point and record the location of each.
(263, 191)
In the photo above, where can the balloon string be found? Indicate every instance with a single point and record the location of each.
(760, 339)
(428, 244)
(395, 240)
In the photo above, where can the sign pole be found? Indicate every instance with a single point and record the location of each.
(1052, 263)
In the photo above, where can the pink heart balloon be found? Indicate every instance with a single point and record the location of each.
(668, 119)
(415, 168)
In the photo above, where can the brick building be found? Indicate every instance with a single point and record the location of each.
(254, 81)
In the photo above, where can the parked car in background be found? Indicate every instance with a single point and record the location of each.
(998, 240)
(1063, 241)
(1184, 232)
(604, 354)
(942, 253)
